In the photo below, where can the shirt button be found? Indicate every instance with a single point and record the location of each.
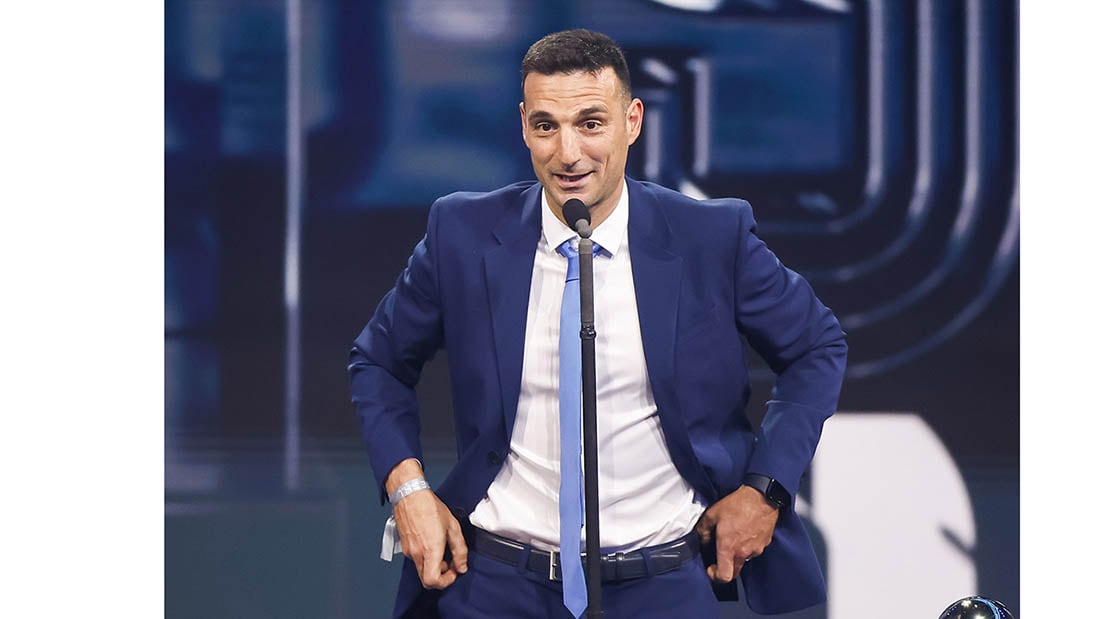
(494, 458)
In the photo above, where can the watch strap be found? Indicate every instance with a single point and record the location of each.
(772, 490)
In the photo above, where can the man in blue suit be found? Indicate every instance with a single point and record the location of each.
(678, 283)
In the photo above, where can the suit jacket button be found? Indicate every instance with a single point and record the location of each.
(494, 458)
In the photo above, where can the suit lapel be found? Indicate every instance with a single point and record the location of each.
(508, 278)
(657, 275)
(656, 288)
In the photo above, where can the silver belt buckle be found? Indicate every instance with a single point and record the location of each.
(555, 566)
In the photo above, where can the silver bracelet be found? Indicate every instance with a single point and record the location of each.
(408, 488)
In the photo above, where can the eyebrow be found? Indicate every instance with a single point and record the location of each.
(540, 115)
(594, 110)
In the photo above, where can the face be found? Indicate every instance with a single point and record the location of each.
(579, 128)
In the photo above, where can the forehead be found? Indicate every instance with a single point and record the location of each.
(562, 92)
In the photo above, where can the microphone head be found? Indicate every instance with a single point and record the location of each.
(574, 210)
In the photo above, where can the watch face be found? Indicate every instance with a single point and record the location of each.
(770, 495)
(778, 493)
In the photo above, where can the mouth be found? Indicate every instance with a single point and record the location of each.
(571, 180)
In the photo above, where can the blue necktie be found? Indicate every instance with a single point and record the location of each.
(570, 494)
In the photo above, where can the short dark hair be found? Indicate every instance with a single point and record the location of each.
(570, 51)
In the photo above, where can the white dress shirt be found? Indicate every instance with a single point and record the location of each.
(643, 499)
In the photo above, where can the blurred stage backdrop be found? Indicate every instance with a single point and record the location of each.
(305, 140)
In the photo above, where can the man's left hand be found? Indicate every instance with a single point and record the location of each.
(742, 523)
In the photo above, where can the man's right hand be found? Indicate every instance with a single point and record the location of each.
(427, 528)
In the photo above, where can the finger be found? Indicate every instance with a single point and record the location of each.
(723, 549)
(704, 535)
(712, 573)
(704, 528)
(430, 570)
(724, 571)
(737, 565)
(457, 544)
(441, 577)
(447, 576)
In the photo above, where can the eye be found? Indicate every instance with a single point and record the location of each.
(544, 127)
(591, 125)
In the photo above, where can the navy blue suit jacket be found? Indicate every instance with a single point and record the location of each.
(702, 279)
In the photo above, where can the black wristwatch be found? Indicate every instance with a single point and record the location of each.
(772, 490)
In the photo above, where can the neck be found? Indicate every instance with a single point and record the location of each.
(599, 212)
(602, 211)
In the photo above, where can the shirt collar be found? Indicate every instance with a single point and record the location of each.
(608, 235)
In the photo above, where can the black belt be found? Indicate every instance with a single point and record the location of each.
(614, 567)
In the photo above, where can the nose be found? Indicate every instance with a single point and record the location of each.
(569, 149)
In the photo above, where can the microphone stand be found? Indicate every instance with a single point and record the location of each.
(591, 441)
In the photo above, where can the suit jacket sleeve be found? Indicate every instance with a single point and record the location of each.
(802, 342)
(388, 356)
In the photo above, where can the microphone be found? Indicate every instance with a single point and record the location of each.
(577, 217)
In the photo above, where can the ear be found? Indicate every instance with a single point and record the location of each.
(634, 113)
(523, 123)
